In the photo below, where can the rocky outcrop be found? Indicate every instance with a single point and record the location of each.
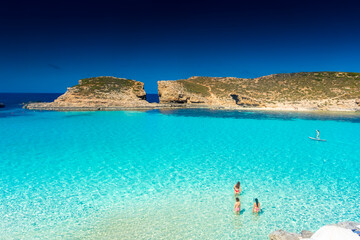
(324, 91)
(2, 105)
(175, 92)
(283, 235)
(306, 234)
(347, 225)
(327, 91)
(203, 91)
(99, 93)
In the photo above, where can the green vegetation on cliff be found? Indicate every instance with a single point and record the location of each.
(280, 87)
(103, 84)
(195, 87)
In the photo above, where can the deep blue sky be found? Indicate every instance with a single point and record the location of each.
(47, 46)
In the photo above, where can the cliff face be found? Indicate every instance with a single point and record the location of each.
(104, 91)
(314, 90)
(100, 92)
(332, 91)
(205, 90)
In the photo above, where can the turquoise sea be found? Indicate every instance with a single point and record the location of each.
(169, 174)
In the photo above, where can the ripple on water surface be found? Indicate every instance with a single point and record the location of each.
(161, 175)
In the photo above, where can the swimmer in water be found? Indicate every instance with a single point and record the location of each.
(256, 206)
(317, 134)
(237, 206)
(237, 189)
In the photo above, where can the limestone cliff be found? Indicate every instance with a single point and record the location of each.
(331, 91)
(312, 91)
(99, 92)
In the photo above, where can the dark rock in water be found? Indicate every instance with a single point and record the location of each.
(283, 235)
(306, 234)
(2, 105)
(347, 225)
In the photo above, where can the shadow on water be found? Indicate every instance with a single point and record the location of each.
(261, 115)
(78, 114)
(14, 101)
(207, 113)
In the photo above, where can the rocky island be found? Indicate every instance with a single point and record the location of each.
(99, 93)
(305, 91)
(331, 91)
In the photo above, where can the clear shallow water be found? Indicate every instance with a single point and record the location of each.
(169, 174)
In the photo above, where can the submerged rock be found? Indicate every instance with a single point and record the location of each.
(306, 234)
(283, 235)
(2, 105)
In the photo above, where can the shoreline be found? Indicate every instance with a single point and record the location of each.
(160, 106)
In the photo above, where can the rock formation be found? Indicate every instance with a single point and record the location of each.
(327, 91)
(2, 105)
(99, 92)
(295, 91)
(306, 234)
(283, 235)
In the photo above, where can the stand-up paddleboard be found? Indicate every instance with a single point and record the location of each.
(321, 140)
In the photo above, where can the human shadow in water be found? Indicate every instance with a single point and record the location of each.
(259, 213)
(241, 212)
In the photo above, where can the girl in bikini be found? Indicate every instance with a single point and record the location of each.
(237, 189)
(256, 206)
(237, 206)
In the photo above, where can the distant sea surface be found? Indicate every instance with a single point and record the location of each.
(15, 100)
(169, 174)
